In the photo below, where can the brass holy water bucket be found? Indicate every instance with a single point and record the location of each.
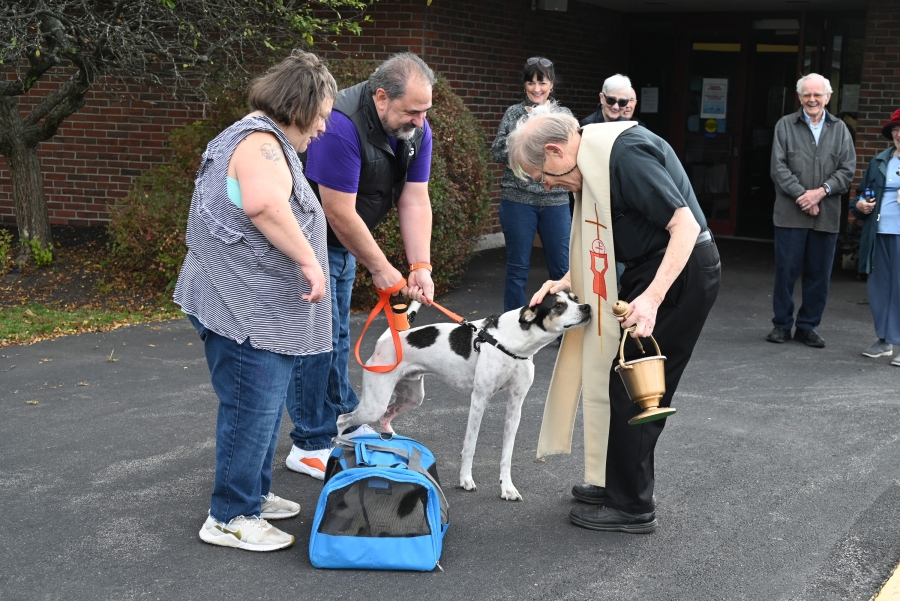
(645, 381)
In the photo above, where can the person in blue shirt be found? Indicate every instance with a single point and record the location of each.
(879, 243)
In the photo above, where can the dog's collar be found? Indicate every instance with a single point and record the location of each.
(483, 336)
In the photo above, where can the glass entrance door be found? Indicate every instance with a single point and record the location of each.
(712, 129)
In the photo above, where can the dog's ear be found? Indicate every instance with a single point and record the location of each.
(527, 315)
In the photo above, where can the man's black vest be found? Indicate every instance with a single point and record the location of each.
(383, 173)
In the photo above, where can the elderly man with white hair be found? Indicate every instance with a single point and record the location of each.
(813, 161)
(614, 99)
(634, 204)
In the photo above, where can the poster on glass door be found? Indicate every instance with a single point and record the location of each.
(713, 98)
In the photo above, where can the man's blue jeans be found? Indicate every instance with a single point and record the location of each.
(520, 222)
(809, 251)
(251, 385)
(320, 389)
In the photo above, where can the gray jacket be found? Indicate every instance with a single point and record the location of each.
(798, 165)
(511, 187)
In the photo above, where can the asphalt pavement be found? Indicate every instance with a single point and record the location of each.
(778, 478)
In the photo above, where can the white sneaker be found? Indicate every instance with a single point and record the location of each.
(361, 430)
(311, 463)
(250, 534)
(896, 361)
(276, 508)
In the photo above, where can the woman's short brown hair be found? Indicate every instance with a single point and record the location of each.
(294, 90)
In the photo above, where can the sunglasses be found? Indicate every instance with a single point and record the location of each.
(622, 102)
(817, 96)
(545, 62)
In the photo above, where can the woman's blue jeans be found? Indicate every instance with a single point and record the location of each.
(320, 390)
(520, 222)
(251, 385)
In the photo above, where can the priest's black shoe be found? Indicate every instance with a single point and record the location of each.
(589, 493)
(809, 338)
(779, 335)
(613, 520)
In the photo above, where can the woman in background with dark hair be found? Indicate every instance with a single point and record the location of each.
(525, 207)
(879, 243)
(253, 285)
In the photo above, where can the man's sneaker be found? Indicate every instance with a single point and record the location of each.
(361, 430)
(809, 338)
(250, 534)
(311, 463)
(896, 361)
(276, 508)
(879, 349)
(779, 335)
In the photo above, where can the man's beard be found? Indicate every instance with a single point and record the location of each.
(404, 132)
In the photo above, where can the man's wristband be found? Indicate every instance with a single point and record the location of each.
(415, 266)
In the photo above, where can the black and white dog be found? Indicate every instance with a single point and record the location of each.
(481, 359)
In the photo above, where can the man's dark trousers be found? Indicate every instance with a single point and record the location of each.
(801, 249)
(679, 320)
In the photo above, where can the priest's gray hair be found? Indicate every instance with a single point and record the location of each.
(545, 124)
(614, 83)
(802, 80)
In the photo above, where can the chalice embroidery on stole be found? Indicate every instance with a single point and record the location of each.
(599, 265)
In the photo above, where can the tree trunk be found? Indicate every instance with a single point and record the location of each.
(30, 202)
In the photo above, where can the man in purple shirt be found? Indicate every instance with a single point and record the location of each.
(374, 155)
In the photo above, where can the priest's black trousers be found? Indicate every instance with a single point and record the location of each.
(679, 320)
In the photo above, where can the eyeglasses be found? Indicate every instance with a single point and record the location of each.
(545, 62)
(543, 173)
(611, 101)
(817, 96)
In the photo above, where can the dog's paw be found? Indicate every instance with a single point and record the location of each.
(467, 483)
(510, 493)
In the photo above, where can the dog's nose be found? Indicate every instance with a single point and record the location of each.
(585, 309)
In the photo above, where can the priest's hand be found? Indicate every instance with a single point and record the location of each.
(552, 287)
(642, 314)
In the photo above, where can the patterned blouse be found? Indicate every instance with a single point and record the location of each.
(233, 280)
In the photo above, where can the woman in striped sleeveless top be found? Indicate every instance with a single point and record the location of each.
(253, 284)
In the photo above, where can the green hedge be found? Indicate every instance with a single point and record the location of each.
(147, 227)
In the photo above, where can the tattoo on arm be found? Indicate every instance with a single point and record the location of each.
(270, 152)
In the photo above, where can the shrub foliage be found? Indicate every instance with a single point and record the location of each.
(147, 227)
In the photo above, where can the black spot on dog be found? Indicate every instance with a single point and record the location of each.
(461, 341)
(423, 337)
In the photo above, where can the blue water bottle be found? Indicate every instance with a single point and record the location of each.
(868, 195)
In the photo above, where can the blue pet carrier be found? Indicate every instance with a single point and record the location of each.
(381, 508)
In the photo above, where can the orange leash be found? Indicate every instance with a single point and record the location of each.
(384, 303)
(448, 313)
(393, 316)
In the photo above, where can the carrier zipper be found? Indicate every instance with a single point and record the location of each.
(438, 566)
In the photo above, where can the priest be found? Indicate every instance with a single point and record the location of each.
(633, 204)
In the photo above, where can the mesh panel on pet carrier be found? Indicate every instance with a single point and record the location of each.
(377, 507)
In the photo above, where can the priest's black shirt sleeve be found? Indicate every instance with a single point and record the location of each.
(647, 185)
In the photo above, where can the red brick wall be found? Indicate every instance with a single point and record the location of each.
(480, 46)
(97, 152)
(880, 86)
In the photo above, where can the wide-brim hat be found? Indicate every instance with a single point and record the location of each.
(886, 129)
